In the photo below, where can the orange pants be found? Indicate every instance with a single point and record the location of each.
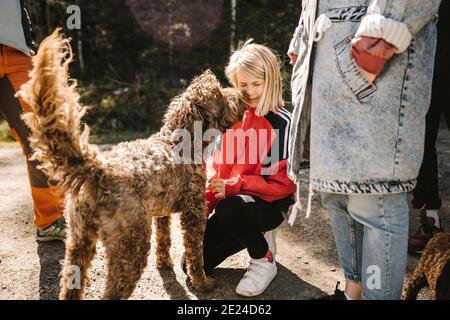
(14, 69)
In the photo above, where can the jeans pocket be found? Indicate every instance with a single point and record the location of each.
(349, 70)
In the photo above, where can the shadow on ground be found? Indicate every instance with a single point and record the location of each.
(50, 256)
(227, 279)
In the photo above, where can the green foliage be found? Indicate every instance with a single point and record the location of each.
(128, 78)
(5, 133)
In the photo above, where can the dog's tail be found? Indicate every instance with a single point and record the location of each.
(59, 145)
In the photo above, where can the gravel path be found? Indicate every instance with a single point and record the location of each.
(307, 259)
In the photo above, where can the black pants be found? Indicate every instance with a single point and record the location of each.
(11, 111)
(426, 192)
(238, 222)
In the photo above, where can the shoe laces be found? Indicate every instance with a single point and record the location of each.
(57, 227)
(61, 223)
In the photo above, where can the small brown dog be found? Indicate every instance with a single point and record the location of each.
(114, 196)
(433, 270)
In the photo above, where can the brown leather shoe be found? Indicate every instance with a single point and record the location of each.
(427, 229)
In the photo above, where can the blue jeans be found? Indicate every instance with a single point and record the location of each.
(371, 233)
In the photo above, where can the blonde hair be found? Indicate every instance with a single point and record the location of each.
(262, 63)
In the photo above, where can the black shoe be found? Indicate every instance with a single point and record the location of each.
(426, 231)
(338, 294)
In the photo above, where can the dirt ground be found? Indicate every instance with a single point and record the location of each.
(307, 259)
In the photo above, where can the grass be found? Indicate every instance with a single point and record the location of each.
(6, 140)
(113, 137)
(107, 137)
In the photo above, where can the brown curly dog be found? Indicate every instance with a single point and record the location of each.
(433, 270)
(114, 195)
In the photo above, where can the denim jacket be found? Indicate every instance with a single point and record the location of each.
(365, 138)
(15, 29)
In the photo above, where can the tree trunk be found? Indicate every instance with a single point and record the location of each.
(80, 51)
(47, 13)
(233, 25)
(171, 40)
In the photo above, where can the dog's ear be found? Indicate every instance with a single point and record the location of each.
(234, 106)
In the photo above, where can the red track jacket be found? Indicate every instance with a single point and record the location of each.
(252, 157)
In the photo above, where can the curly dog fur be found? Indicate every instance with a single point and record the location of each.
(113, 196)
(433, 270)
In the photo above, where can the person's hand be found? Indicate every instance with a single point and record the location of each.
(371, 54)
(293, 57)
(369, 76)
(218, 187)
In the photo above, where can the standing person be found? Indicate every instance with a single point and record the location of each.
(370, 90)
(15, 64)
(426, 194)
(250, 189)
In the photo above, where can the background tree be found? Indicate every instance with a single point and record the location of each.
(137, 55)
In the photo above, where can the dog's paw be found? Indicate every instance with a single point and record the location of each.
(164, 263)
(206, 285)
(70, 294)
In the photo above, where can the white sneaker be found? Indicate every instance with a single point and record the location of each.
(270, 237)
(259, 275)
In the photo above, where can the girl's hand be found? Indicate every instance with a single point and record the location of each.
(369, 76)
(218, 187)
(371, 54)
